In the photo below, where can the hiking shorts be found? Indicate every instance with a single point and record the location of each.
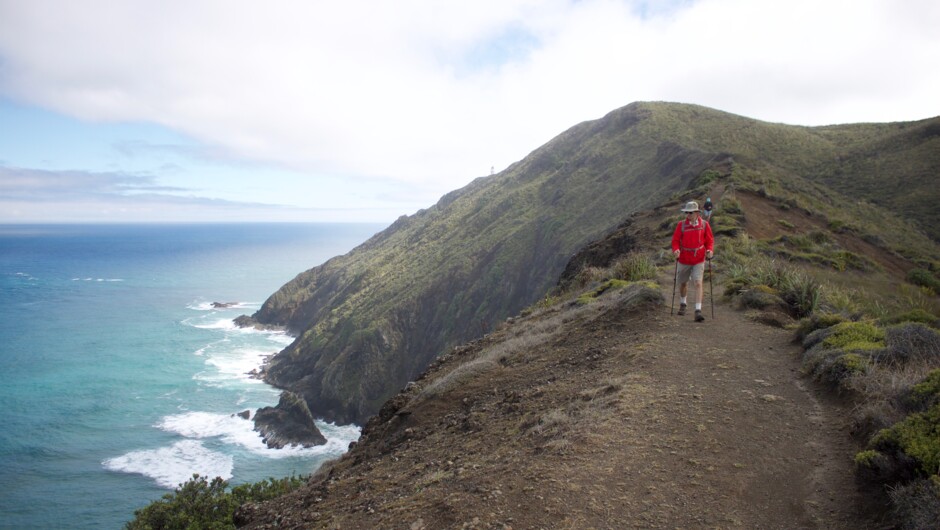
(695, 272)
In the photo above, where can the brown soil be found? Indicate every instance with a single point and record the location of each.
(763, 222)
(611, 415)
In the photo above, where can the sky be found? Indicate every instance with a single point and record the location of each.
(363, 111)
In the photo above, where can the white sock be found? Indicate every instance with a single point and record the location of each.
(698, 306)
(682, 299)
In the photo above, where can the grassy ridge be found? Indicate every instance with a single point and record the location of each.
(371, 320)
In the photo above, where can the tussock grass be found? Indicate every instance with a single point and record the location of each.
(799, 291)
(635, 267)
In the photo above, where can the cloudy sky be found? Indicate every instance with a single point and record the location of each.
(306, 110)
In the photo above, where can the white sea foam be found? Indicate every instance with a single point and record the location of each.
(226, 324)
(174, 465)
(280, 338)
(97, 279)
(237, 431)
(202, 305)
(232, 367)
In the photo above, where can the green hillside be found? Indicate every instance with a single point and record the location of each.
(371, 320)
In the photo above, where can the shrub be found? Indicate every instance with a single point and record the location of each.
(841, 367)
(915, 315)
(816, 337)
(915, 441)
(199, 503)
(917, 504)
(865, 458)
(925, 394)
(851, 336)
(911, 342)
(924, 278)
(817, 321)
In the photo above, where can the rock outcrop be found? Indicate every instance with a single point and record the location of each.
(288, 423)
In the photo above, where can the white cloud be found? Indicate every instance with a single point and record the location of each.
(38, 196)
(435, 93)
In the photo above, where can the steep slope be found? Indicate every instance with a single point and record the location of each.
(894, 165)
(608, 415)
(370, 321)
(598, 408)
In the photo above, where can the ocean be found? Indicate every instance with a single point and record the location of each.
(121, 378)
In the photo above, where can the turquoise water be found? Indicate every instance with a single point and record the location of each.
(120, 379)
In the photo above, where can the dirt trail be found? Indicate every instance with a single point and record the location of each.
(719, 430)
(621, 419)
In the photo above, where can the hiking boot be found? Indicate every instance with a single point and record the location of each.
(682, 309)
(698, 316)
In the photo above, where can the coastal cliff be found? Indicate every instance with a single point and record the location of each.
(598, 406)
(370, 321)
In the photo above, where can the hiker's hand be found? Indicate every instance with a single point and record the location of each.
(709, 254)
(675, 253)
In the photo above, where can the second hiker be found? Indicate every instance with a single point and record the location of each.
(692, 244)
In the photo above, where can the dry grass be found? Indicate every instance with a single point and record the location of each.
(526, 334)
(884, 389)
(917, 505)
(558, 428)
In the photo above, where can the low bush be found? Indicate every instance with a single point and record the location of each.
(836, 369)
(911, 342)
(854, 336)
(915, 315)
(817, 321)
(925, 394)
(924, 278)
(914, 443)
(199, 503)
(917, 504)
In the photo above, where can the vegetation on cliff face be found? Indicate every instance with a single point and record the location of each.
(370, 321)
(201, 503)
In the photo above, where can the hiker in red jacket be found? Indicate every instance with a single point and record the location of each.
(692, 244)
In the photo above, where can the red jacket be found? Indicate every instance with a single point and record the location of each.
(693, 240)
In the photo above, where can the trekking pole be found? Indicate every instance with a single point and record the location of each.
(675, 278)
(711, 288)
